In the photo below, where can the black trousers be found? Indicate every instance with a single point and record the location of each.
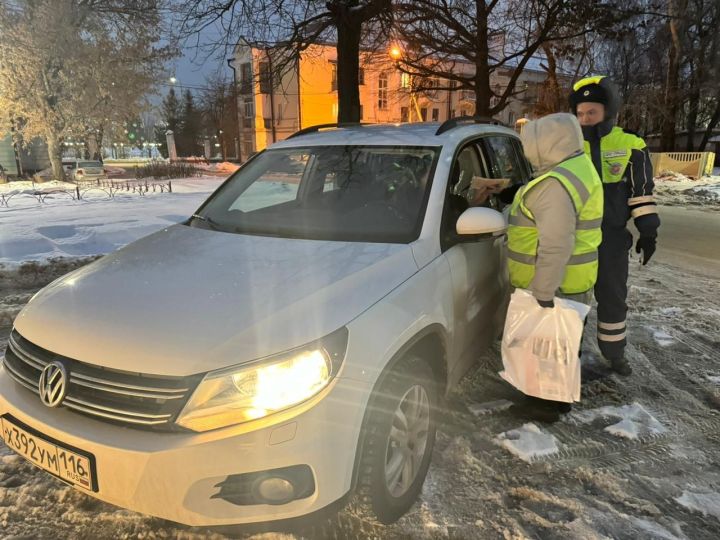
(611, 291)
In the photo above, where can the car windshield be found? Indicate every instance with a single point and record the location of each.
(349, 193)
(90, 164)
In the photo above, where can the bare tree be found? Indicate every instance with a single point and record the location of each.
(677, 22)
(491, 36)
(289, 27)
(74, 66)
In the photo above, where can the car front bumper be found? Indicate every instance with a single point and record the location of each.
(175, 475)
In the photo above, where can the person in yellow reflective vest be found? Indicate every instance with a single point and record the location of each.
(622, 160)
(554, 225)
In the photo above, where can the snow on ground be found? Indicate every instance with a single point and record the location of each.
(61, 227)
(528, 442)
(705, 503)
(655, 476)
(675, 189)
(634, 420)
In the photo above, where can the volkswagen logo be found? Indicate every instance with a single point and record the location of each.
(53, 384)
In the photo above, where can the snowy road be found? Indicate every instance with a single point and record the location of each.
(690, 238)
(638, 459)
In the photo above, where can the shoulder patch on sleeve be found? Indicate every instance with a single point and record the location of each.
(635, 141)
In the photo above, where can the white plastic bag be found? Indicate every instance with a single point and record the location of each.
(540, 347)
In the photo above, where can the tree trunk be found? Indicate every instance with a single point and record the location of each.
(55, 155)
(676, 9)
(483, 93)
(551, 99)
(693, 105)
(348, 63)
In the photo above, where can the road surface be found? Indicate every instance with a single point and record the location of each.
(689, 239)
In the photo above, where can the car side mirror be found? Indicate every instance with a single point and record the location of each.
(481, 222)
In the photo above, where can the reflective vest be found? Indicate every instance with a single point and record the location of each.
(615, 150)
(579, 178)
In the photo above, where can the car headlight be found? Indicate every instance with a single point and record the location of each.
(248, 392)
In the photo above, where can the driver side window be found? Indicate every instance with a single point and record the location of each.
(466, 165)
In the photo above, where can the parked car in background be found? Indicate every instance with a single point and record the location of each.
(283, 351)
(82, 170)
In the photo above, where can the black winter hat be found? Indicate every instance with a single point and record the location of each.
(593, 93)
(598, 89)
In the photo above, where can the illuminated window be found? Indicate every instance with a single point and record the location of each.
(383, 91)
(404, 80)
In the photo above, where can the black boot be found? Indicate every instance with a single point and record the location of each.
(621, 366)
(540, 410)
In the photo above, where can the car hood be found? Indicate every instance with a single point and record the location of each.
(187, 300)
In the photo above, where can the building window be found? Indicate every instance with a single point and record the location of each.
(436, 115)
(361, 76)
(265, 78)
(267, 123)
(383, 91)
(246, 78)
(361, 112)
(279, 112)
(403, 114)
(423, 113)
(511, 117)
(333, 81)
(404, 80)
(452, 113)
(248, 108)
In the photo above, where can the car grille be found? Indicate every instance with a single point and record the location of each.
(128, 398)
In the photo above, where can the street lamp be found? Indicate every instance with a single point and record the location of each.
(173, 80)
(395, 53)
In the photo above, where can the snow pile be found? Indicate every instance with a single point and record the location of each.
(224, 167)
(635, 421)
(28, 186)
(528, 442)
(679, 190)
(672, 176)
(489, 407)
(705, 503)
(661, 337)
(62, 227)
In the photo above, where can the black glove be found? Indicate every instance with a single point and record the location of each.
(647, 245)
(546, 303)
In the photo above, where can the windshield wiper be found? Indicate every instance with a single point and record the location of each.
(210, 221)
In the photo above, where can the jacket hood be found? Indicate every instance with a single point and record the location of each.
(550, 140)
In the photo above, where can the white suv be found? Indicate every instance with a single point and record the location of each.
(285, 348)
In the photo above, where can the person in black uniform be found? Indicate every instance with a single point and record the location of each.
(623, 162)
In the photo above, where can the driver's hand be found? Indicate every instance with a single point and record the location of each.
(480, 195)
(490, 185)
(483, 188)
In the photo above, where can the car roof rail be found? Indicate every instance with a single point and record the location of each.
(447, 125)
(313, 129)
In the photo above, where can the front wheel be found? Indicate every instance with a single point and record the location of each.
(398, 441)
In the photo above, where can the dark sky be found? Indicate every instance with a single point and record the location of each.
(194, 66)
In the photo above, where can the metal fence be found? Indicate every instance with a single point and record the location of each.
(80, 190)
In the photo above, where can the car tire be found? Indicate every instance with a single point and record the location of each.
(384, 493)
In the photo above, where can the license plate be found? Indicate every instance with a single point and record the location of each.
(67, 463)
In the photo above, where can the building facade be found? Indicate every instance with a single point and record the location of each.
(306, 94)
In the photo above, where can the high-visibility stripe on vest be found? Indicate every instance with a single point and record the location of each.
(579, 178)
(615, 150)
